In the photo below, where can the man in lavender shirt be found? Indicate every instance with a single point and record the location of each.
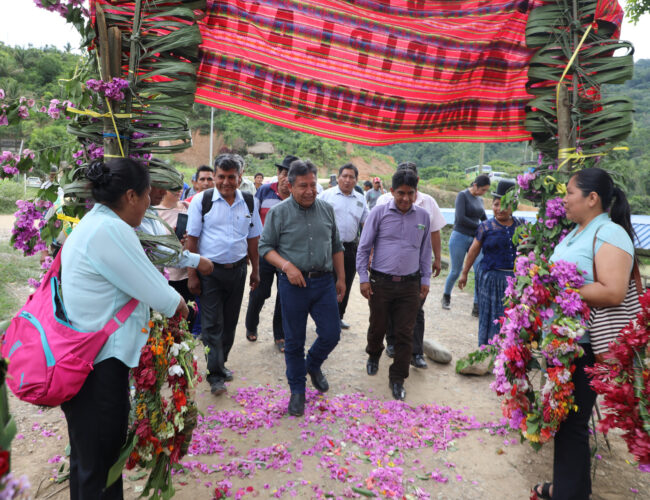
(398, 235)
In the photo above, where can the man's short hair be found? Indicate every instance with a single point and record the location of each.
(258, 173)
(301, 167)
(202, 168)
(349, 166)
(367, 184)
(408, 165)
(405, 178)
(228, 162)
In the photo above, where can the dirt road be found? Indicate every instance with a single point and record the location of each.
(443, 442)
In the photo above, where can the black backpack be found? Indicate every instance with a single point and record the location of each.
(206, 203)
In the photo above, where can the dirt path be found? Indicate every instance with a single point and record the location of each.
(279, 456)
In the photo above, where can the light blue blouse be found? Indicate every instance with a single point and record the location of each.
(579, 247)
(103, 266)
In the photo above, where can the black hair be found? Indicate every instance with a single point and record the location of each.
(204, 168)
(112, 179)
(258, 173)
(598, 181)
(349, 166)
(301, 167)
(367, 183)
(228, 162)
(481, 180)
(405, 178)
(408, 165)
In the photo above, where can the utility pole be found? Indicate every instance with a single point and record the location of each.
(211, 136)
(481, 156)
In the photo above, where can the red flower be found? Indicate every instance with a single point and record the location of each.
(4, 462)
(179, 400)
(145, 378)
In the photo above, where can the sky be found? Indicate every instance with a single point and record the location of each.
(22, 23)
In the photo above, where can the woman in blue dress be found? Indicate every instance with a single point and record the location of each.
(494, 237)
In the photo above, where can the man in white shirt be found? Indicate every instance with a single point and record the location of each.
(350, 210)
(437, 223)
(225, 229)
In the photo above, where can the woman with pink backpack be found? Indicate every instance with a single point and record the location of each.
(103, 267)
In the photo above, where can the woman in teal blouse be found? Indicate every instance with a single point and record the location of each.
(103, 267)
(602, 238)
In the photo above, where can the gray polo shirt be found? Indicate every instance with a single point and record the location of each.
(307, 237)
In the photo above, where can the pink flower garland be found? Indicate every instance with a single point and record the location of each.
(547, 313)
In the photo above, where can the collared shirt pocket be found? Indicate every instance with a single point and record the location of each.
(414, 236)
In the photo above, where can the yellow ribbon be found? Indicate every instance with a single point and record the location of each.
(569, 64)
(67, 218)
(95, 114)
(566, 155)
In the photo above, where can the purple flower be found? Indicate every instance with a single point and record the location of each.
(555, 208)
(524, 180)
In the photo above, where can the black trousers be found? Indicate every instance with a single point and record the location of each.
(98, 418)
(397, 302)
(571, 455)
(181, 287)
(350, 267)
(221, 297)
(418, 331)
(256, 300)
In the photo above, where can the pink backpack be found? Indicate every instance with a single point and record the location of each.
(49, 359)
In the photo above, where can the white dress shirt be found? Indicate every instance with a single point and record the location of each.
(223, 233)
(423, 201)
(350, 211)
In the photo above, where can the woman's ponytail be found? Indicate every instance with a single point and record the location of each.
(620, 212)
(612, 198)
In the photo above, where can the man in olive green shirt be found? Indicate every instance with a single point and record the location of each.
(301, 239)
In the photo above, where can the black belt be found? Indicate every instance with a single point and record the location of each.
(230, 266)
(312, 274)
(391, 277)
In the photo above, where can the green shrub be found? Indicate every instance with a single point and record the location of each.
(10, 191)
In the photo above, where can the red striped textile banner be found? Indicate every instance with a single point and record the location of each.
(371, 71)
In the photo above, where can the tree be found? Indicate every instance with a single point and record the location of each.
(635, 8)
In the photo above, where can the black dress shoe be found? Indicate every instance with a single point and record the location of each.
(345, 325)
(318, 380)
(390, 350)
(297, 404)
(418, 361)
(218, 388)
(372, 366)
(397, 388)
(227, 374)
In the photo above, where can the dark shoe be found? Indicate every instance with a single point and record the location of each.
(345, 325)
(543, 491)
(475, 310)
(390, 351)
(318, 380)
(279, 345)
(218, 388)
(372, 366)
(446, 301)
(227, 374)
(297, 404)
(418, 361)
(397, 389)
(251, 336)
